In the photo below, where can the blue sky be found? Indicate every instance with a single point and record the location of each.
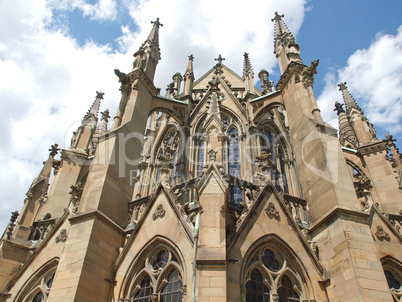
(55, 55)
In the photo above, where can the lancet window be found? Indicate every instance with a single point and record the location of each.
(271, 143)
(160, 278)
(269, 274)
(201, 144)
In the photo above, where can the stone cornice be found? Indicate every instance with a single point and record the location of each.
(335, 212)
(292, 68)
(372, 148)
(96, 214)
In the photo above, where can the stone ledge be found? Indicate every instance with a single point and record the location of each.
(337, 211)
(99, 215)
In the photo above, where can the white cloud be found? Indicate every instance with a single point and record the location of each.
(48, 81)
(374, 78)
(103, 10)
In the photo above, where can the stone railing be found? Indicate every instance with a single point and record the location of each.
(298, 208)
(136, 209)
(396, 221)
(40, 229)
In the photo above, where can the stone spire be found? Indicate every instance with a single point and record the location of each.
(82, 137)
(149, 53)
(349, 101)
(94, 109)
(248, 74)
(363, 129)
(247, 69)
(286, 48)
(101, 129)
(154, 34)
(346, 132)
(280, 26)
(189, 77)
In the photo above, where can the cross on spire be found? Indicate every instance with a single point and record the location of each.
(157, 23)
(277, 17)
(191, 57)
(220, 59)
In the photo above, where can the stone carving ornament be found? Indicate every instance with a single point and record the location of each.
(271, 210)
(159, 212)
(382, 234)
(62, 237)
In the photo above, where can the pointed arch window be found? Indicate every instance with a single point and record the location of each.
(159, 278)
(392, 271)
(200, 161)
(40, 290)
(270, 143)
(234, 153)
(282, 173)
(269, 272)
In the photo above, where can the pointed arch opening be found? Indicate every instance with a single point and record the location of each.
(156, 275)
(38, 286)
(283, 276)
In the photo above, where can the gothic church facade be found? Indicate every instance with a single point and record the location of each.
(234, 194)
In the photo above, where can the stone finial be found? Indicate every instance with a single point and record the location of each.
(105, 115)
(339, 108)
(157, 23)
(266, 85)
(54, 150)
(277, 17)
(342, 86)
(99, 95)
(220, 59)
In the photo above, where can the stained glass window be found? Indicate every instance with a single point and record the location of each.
(256, 289)
(200, 162)
(234, 153)
(172, 290)
(145, 293)
(286, 291)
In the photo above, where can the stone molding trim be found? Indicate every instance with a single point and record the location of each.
(373, 148)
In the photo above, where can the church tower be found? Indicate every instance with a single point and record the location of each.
(234, 194)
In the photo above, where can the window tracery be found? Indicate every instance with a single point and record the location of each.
(40, 290)
(394, 278)
(160, 278)
(270, 273)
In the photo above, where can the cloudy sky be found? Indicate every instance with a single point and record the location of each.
(55, 55)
